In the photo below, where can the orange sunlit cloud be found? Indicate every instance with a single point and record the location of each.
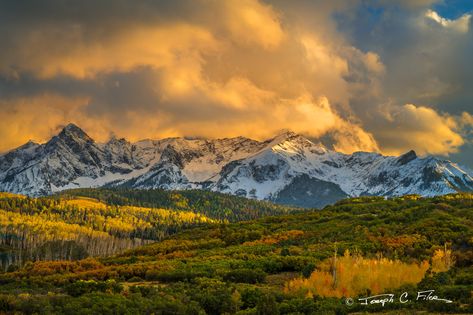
(218, 69)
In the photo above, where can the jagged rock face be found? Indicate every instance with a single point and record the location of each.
(407, 157)
(287, 169)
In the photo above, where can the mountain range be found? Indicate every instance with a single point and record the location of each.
(287, 169)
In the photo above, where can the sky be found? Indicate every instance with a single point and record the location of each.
(371, 75)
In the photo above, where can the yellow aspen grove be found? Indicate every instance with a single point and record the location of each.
(77, 227)
(351, 275)
(442, 260)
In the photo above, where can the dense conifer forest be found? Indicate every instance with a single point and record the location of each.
(218, 206)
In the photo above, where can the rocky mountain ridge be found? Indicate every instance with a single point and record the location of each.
(288, 168)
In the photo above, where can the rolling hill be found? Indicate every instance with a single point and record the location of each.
(289, 264)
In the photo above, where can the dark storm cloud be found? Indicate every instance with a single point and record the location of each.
(427, 62)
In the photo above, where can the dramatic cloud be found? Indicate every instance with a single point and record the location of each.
(422, 128)
(252, 22)
(426, 61)
(36, 118)
(240, 67)
(460, 25)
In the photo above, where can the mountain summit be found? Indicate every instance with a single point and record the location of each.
(73, 130)
(288, 168)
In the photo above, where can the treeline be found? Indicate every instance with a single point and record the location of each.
(214, 205)
(74, 228)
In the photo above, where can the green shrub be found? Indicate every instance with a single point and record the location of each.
(245, 276)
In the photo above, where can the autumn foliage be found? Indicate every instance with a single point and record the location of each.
(442, 260)
(76, 227)
(351, 275)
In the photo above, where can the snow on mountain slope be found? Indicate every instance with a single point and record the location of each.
(286, 169)
(193, 163)
(291, 160)
(70, 159)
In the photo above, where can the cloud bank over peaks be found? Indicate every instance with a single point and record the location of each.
(212, 68)
(423, 128)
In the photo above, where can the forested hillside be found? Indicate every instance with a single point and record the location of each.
(75, 228)
(214, 205)
(99, 222)
(304, 263)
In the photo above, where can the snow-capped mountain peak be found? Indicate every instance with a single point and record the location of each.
(288, 168)
(72, 131)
